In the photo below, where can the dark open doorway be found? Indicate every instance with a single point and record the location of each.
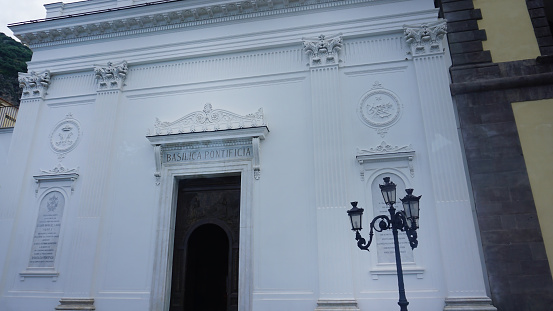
(205, 255)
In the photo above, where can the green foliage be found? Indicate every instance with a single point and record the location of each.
(13, 56)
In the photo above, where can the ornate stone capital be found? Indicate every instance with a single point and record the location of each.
(34, 85)
(425, 39)
(323, 50)
(111, 77)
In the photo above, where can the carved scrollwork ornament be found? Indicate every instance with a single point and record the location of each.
(112, 76)
(209, 120)
(33, 84)
(323, 50)
(426, 38)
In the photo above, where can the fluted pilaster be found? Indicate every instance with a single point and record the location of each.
(34, 86)
(335, 282)
(462, 266)
(96, 178)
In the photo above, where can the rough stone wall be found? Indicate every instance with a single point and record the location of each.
(514, 252)
(542, 28)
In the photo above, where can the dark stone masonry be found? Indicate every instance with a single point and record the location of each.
(517, 267)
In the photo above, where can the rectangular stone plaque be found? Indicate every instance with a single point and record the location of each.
(47, 231)
(184, 154)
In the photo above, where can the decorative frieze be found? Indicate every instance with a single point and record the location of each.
(323, 50)
(370, 159)
(384, 148)
(425, 38)
(34, 85)
(112, 76)
(59, 174)
(60, 169)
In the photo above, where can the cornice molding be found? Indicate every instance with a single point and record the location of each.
(171, 19)
(34, 85)
(426, 38)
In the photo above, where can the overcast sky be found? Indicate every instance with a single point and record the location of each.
(13, 11)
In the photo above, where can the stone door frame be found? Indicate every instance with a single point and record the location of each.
(171, 173)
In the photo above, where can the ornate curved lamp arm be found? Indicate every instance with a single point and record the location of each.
(384, 224)
(400, 222)
(412, 236)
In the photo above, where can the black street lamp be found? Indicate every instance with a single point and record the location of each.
(406, 220)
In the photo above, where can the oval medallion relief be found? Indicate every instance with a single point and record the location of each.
(379, 108)
(66, 135)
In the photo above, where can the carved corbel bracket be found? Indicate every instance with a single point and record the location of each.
(323, 50)
(34, 85)
(386, 154)
(112, 76)
(157, 155)
(256, 165)
(426, 38)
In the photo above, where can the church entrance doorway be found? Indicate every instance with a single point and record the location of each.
(206, 245)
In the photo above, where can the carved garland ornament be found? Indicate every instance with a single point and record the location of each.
(426, 38)
(34, 85)
(380, 109)
(323, 50)
(112, 76)
(209, 120)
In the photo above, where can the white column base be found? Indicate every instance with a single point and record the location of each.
(76, 304)
(469, 304)
(336, 305)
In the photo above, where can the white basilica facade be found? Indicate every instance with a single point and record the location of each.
(201, 155)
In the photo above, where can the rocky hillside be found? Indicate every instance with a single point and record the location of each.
(13, 58)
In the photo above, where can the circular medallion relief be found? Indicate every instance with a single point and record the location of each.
(379, 108)
(65, 136)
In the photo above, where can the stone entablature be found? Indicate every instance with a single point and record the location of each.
(169, 15)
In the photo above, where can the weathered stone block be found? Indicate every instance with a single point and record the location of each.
(471, 58)
(463, 36)
(457, 6)
(463, 15)
(542, 32)
(464, 47)
(462, 26)
(537, 12)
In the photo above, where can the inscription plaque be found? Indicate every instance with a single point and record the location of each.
(184, 154)
(45, 240)
(385, 239)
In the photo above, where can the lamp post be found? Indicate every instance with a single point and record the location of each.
(406, 220)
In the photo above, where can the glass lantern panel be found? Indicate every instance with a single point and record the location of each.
(355, 221)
